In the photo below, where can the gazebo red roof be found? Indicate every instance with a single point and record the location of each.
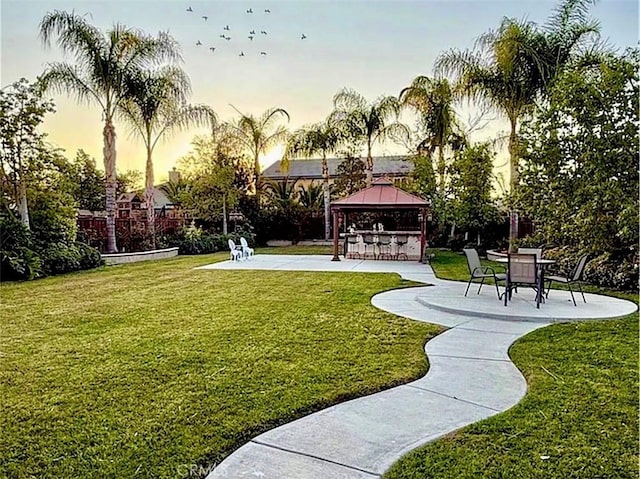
(380, 195)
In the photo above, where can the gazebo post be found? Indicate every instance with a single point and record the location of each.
(336, 234)
(423, 233)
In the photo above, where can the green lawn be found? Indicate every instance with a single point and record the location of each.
(578, 420)
(143, 370)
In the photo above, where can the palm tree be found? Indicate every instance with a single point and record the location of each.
(104, 64)
(156, 109)
(320, 138)
(432, 99)
(367, 122)
(282, 194)
(311, 197)
(515, 64)
(259, 135)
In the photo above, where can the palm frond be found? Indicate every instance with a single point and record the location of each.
(64, 78)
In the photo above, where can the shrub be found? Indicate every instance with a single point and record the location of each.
(17, 258)
(616, 269)
(58, 258)
(89, 257)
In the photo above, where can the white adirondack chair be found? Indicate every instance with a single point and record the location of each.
(247, 252)
(236, 252)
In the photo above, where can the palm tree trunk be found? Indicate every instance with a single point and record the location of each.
(441, 170)
(23, 208)
(327, 197)
(256, 172)
(369, 165)
(513, 174)
(148, 198)
(225, 228)
(109, 153)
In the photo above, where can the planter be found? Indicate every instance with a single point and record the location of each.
(121, 258)
(493, 255)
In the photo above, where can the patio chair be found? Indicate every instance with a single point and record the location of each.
(384, 246)
(247, 252)
(522, 270)
(576, 277)
(353, 246)
(369, 240)
(476, 270)
(401, 246)
(236, 252)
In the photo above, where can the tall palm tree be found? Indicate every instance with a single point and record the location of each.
(104, 63)
(368, 122)
(158, 107)
(432, 99)
(320, 138)
(259, 135)
(515, 64)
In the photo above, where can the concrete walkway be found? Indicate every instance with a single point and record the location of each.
(470, 376)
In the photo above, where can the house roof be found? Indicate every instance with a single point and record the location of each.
(312, 168)
(380, 195)
(129, 197)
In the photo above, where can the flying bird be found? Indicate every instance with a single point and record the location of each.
(213, 49)
(252, 32)
(251, 37)
(263, 32)
(222, 36)
(263, 53)
(198, 43)
(205, 17)
(303, 36)
(266, 10)
(227, 38)
(227, 28)
(189, 9)
(241, 54)
(250, 10)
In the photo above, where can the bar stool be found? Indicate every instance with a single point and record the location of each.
(354, 246)
(369, 240)
(401, 246)
(384, 241)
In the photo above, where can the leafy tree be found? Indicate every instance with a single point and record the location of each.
(321, 138)
(580, 159)
(259, 135)
(370, 123)
(471, 187)
(104, 66)
(432, 99)
(22, 110)
(210, 174)
(351, 176)
(282, 194)
(88, 182)
(513, 65)
(157, 108)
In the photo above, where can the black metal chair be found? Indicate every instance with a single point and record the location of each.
(384, 246)
(576, 277)
(477, 271)
(369, 240)
(401, 246)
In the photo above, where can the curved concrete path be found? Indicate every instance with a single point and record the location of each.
(470, 378)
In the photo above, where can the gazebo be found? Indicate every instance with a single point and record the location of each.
(381, 195)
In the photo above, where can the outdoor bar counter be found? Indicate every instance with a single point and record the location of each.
(355, 246)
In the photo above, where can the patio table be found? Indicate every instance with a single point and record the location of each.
(542, 264)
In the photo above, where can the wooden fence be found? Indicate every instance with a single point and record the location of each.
(131, 234)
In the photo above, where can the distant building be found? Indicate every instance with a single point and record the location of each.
(308, 171)
(130, 206)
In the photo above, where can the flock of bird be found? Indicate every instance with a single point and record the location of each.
(226, 30)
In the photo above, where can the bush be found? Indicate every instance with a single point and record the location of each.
(17, 258)
(615, 270)
(89, 257)
(58, 258)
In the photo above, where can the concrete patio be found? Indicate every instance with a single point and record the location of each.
(470, 375)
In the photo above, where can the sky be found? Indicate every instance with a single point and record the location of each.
(375, 47)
